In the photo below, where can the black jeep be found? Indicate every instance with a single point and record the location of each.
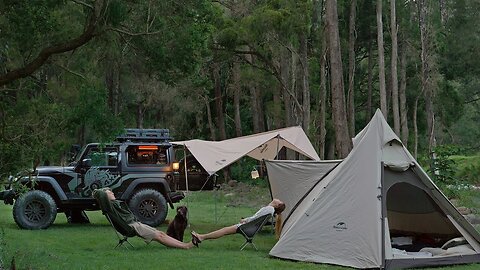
(138, 168)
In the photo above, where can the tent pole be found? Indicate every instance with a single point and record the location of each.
(278, 145)
(216, 194)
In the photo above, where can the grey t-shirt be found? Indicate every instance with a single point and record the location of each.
(261, 212)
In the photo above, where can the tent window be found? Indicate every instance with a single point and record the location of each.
(415, 220)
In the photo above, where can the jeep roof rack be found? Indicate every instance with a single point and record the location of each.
(144, 135)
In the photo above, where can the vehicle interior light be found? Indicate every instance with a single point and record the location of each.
(147, 147)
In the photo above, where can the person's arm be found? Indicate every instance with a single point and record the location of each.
(261, 212)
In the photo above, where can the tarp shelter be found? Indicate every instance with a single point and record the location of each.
(375, 210)
(290, 180)
(214, 156)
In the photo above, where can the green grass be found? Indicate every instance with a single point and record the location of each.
(66, 246)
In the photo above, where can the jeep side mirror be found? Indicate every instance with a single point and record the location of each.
(87, 162)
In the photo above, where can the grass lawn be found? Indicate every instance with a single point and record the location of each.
(65, 246)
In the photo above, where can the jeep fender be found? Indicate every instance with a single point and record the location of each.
(165, 188)
(50, 181)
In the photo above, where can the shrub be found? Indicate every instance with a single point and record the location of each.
(470, 174)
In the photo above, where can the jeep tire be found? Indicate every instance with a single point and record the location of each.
(34, 210)
(149, 206)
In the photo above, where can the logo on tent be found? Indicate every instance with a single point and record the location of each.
(341, 226)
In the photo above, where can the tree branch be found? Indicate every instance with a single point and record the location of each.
(472, 100)
(83, 4)
(71, 71)
(87, 35)
(133, 34)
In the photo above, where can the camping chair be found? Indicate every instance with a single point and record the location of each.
(122, 229)
(122, 232)
(250, 229)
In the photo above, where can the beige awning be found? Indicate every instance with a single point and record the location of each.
(214, 156)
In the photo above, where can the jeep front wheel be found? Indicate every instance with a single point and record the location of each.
(34, 210)
(149, 206)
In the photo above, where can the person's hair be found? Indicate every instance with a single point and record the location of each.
(278, 220)
(278, 225)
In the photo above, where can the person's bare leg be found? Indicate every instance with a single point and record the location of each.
(168, 241)
(218, 233)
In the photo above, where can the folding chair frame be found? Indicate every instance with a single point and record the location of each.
(121, 238)
(249, 239)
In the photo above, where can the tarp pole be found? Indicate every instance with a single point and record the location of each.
(185, 167)
(278, 145)
(186, 177)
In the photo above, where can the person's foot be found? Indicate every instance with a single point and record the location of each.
(195, 240)
(197, 236)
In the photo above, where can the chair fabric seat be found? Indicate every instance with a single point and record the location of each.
(250, 229)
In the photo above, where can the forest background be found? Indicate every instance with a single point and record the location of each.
(79, 71)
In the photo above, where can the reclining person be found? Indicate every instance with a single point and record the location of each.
(119, 211)
(274, 207)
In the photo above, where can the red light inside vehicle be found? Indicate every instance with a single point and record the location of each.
(147, 147)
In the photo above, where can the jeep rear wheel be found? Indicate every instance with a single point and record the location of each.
(34, 210)
(149, 206)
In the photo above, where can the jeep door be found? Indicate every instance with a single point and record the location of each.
(98, 167)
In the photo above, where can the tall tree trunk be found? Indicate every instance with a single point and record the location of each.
(112, 82)
(255, 108)
(342, 138)
(351, 68)
(293, 89)
(394, 30)
(236, 98)
(82, 138)
(219, 111)
(415, 128)
(369, 82)
(305, 85)
(277, 109)
(209, 119)
(403, 94)
(219, 102)
(284, 73)
(255, 114)
(260, 108)
(443, 12)
(381, 60)
(140, 114)
(256, 103)
(322, 98)
(426, 76)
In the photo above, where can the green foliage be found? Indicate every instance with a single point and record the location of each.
(471, 174)
(468, 169)
(117, 12)
(443, 167)
(449, 103)
(30, 23)
(469, 198)
(241, 171)
(91, 112)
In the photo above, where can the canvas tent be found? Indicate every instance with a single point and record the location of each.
(214, 156)
(291, 179)
(376, 197)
